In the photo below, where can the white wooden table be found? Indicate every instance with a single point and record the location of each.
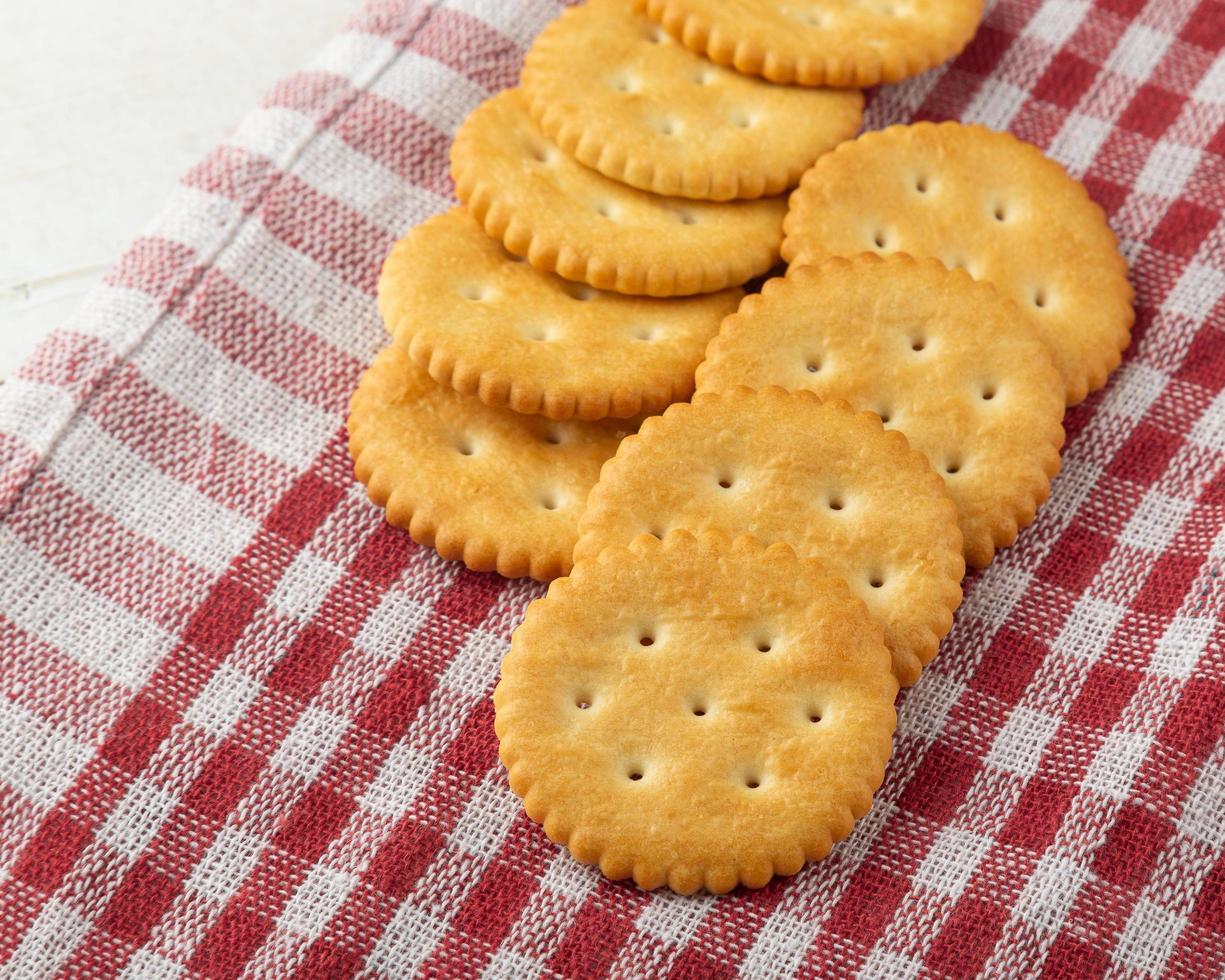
(102, 106)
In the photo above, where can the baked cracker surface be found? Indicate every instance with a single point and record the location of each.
(697, 713)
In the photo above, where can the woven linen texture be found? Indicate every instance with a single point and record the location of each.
(245, 726)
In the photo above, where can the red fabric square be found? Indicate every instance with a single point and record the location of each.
(1206, 26)
(1205, 361)
(868, 903)
(1197, 720)
(1105, 693)
(141, 728)
(592, 942)
(225, 779)
(1066, 79)
(316, 818)
(1069, 957)
(139, 902)
(298, 514)
(235, 935)
(393, 706)
(1008, 664)
(1145, 455)
(1038, 813)
(407, 852)
(1131, 847)
(968, 938)
(52, 850)
(940, 783)
(308, 662)
(1151, 111)
(1183, 228)
(1075, 558)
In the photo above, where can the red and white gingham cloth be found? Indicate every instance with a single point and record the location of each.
(245, 726)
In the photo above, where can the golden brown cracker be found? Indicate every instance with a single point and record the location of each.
(696, 713)
(488, 324)
(821, 42)
(784, 466)
(991, 204)
(616, 92)
(494, 489)
(566, 218)
(943, 359)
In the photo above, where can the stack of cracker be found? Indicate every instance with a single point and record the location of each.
(707, 699)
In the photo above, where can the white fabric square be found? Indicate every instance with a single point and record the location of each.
(310, 743)
(1154, 523)
(224, 700)
(1078, 141)
(317, 901)
(147, 965)
(1018, 747)
(392, 624)
(566, 877)
(414, 81)
(1201, 817)
(47, 943)
(996, 595)
(136, 818)
(779, 948)
(225, 865)
(408, 939)
(1133, 390)
(1049, 894)
(1167, 169)
(1148, 938)
(1139, 51)
(1197, 290)
(482, 827)
(401, 780)
(1211, 87)
(1116, 763)
(304, 586)
(473, 668)
(1181, 647)
(36, 759)
(506, 964)
(1088, 629)
(884, 965)
(1056, 20)
(995, 104)
(952, 860)
(928, 704)
(675, 918)
(1209, 429)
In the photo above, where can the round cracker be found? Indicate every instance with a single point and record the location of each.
(784, 466)
(943, 359)
(821, 42)
(488, 324)
(696, 713)
(566, 218)
(986, 202)
(494, 489)
(616, 92)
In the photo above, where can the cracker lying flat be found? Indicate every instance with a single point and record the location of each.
(783, 466)
(821, 42)
(991, 204)
(566, 218)
(490, 325)
(491, 488)
(941, 358)
(696, 713)
(614, 90)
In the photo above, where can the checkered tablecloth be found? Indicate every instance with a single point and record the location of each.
(245, 726)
